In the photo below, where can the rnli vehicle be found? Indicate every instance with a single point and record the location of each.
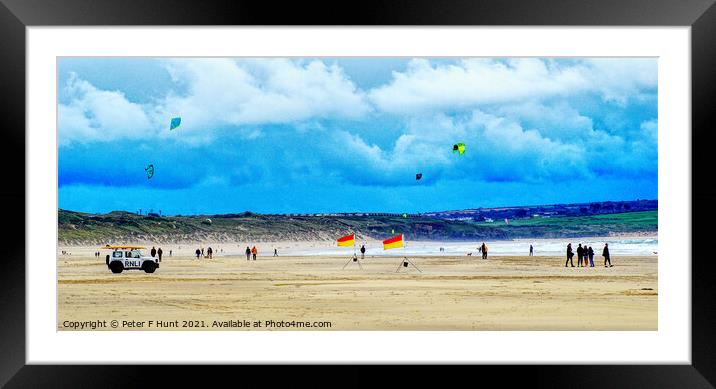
(130, 258)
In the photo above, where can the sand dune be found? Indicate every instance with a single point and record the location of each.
(452, 293)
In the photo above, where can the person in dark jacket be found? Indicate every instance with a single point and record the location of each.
(362, 251)
(198, 252)
(605, 254)
(580, 254)
(209, 252)
(531, 251)
(159, 253)
(570, 255)
(248, 253)
(590, 252)
(153, 252)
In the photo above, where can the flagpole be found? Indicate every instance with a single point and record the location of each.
(405, 248)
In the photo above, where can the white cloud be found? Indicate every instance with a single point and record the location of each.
(498, 149)
(619, 80)
(474, 82)
(514, 115)
(228, 92)
(650, 130)
(556, 121)
(97, 115)
(212, 93)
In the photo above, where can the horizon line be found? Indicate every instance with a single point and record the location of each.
(364, 212)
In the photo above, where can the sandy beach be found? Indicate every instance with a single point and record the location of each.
(315, 293)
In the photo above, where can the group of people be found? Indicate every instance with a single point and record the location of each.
(200, 253)
(253, 252)
(585, 254)
(154, 252)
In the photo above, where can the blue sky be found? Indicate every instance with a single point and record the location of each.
(342, 135)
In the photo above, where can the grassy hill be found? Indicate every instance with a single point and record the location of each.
(75, 228)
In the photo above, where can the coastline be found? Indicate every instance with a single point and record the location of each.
(509, 247)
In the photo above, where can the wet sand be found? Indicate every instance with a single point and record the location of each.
(451, 293)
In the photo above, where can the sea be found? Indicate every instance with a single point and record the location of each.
(641, 246)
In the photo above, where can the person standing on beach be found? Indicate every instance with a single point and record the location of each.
(362, 251)
(531, 251)
(159, 253)
(254, 252)
(248, 253)
(590, 252)
(275, 252)
(585, 256)
(202, 253)
(580, 254)
(570, 255)
(484, 250)
(209, 251)
(198, 252)
(170, 253)
(153, 252)
(605, 254)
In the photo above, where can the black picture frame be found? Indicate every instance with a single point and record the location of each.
(16, 15)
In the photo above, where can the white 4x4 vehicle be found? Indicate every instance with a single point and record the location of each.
(130, 257)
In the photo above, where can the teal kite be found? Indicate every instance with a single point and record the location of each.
(150, 171)
(175, 123)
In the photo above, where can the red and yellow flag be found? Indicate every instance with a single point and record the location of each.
(348, 240)
(393, 243)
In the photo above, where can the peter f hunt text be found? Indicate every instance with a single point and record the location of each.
(161, 324)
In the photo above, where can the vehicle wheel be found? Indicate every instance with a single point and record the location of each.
(116, 267)
(149, 267)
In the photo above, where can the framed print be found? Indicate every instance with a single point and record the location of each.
(404, 184)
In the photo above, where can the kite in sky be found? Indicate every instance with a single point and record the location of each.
(419, 176)
(150, 171)
(458, 148)
(175, 123)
